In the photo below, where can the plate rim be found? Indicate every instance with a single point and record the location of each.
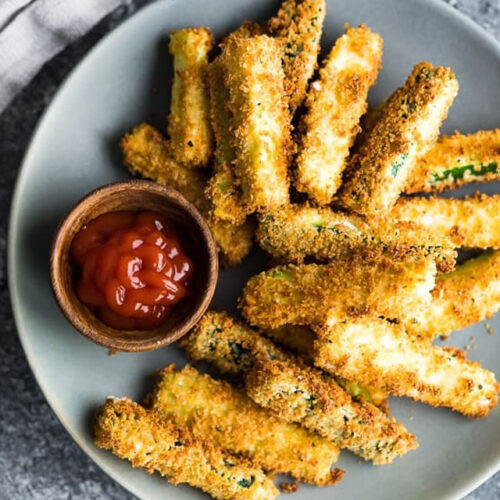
(462, 489)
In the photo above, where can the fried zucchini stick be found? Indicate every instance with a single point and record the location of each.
(229, 346)
(189, 121)
(461, 298)
(313, 400)
(380, 353)
(391, 286)
(472, 222)
(296, 232)
(156, 444)
(300, 341)
(147, 153)
(234, 349)
(235, 242)
(214, 409)
(407, 128)
(260, 121)
(457, 160)
(298, 26)
(223, 188)
(335, 104)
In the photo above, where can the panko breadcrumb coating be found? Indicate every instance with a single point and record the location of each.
(296, 232)
(260, 120)
(335, 103)
(147, 153)
(300, 341)
(298, 26)
(235, 242)
(232, 348)
(189, 123)
(461, 298)
(308, 397)
(396, 287)
(472, 222)
(457, 160)
(223, 187)
(157, 444)
(407, 128)
(380, 353)
(213, 409)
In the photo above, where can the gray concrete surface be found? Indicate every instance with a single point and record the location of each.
(38, 459)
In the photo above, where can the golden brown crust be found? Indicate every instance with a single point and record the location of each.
(298, 26)
(228, 345)
(296, 232)
(189, 122)
(382, 354)
(148, 154)
(215, 410)
(472, 222)
(234, 242)
(313, 400)
(292, 487)
(335, 103)
(300, 341)
(156, 444)
(461, 298)
(223, 188)
(260, 121)
(408, 126)
(395, 286)
(457, 160)
(232, 348)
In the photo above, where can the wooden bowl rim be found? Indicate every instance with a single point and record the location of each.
(170, 335)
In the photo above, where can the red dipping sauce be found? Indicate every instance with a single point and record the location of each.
(132, 269)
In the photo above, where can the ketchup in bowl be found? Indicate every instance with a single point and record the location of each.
(132, 269)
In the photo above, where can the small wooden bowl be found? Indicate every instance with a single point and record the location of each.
(197, 241)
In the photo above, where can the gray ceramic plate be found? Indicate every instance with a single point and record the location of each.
(75, 150)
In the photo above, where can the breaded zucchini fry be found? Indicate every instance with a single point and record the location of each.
(223, 188)
(149, 441)
(472, 222)
(463, 297)
(335, 104)
(300, 341)
(407, 128)
(296, 232)
(313, 400)
(380, 353)
(457, 160)
(147, 153)
(215, 410)
(189, 122)
(298, 26)
(391, 286)
(260, 121)
(229, 346)
(234, 242)
(297, 339)
(232, 348)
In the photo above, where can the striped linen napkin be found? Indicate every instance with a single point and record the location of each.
(34, 31)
